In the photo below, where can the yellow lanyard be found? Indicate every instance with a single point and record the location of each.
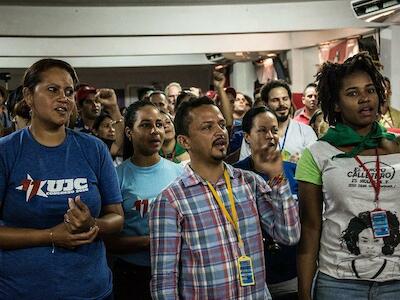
(234, 218)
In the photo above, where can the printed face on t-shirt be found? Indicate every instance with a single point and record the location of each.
(369, 245)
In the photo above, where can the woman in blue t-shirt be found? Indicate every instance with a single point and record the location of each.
(58, 196)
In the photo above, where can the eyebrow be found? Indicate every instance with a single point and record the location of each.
(354, 87)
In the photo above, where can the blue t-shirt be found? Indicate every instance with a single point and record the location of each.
(140, 186)
(281, 264)
(35, 184)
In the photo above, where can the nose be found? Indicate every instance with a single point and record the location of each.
(155, 129)
(270, 134)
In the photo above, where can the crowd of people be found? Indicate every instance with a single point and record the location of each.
(186, 194)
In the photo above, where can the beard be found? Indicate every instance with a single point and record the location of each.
(282, 119)
(219, 157)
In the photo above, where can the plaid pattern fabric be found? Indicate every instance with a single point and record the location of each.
(194, 248)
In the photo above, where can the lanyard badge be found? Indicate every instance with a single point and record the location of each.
(380, 224)
(379, 220)
(244, 263)
(245, 270)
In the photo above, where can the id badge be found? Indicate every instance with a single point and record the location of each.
(380, 224)
(246, 273)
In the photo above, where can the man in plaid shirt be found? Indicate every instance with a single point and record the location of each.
(198, 240)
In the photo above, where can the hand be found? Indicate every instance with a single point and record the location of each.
(294, 157)
(107, 98)
(62, 237)
(268, 162)
(78, 218)
(219, 80)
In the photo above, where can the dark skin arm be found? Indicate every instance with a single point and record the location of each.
(310, 204)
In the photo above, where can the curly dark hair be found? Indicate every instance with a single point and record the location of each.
(330, 80)
(272, 85)
(363, 221)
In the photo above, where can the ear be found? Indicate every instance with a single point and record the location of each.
(247, 138)
(303, 100)
(128, 133)
(337, 108)
(28, 97)
(184, 141)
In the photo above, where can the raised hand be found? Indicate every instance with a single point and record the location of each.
(107, 98)
(268, 161)
(218, 80)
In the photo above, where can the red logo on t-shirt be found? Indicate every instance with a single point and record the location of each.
(142, 206)
(32, 187)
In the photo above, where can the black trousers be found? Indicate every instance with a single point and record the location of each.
(131, 281)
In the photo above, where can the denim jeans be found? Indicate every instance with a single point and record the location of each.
(329, 288)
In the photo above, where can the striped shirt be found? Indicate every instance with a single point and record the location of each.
(194, 248)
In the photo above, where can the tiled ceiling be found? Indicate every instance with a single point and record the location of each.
(138, 2)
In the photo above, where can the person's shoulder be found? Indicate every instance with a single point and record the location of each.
(13, 137)
(247, 175)
(242, 164)
(303, 126)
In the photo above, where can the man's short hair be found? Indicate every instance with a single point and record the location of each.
(172, 84)
(312, 84)
(182, 116)
(272, 85)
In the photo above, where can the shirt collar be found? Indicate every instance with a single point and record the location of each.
(190, 178)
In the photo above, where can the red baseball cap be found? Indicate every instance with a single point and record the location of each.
(83, 92)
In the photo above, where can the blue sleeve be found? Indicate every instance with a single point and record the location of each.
(290, 171)
(108, 180)
(236, 141)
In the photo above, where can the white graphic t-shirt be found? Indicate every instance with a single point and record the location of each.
(349, 248)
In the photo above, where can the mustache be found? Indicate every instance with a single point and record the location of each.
(280, 108)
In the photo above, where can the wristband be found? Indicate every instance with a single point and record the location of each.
(52, 242)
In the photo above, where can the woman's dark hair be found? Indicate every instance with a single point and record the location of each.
(97, 122)
(182, 117)
(182, 97)
(330, 80)
(22, 109)
(131, 111)
(248, 118)
(363, 221)
(130, 119)
(33, 76)
(14, 97)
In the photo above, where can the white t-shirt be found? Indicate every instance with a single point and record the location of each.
(348, 248)
(298, 137)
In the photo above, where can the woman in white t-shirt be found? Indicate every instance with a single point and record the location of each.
(352, 242)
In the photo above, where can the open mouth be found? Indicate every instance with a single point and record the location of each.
(62, 110)
(366, 111)
(220, 143)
